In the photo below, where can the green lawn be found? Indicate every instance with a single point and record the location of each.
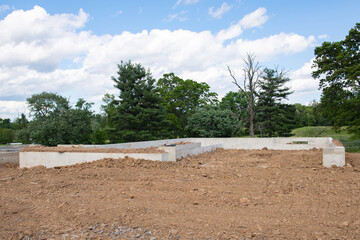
(321, 131)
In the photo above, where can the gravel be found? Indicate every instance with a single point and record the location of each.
(97, 231)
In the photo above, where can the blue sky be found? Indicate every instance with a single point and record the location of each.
(72, 47)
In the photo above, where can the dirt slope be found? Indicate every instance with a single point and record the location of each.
(226, 194)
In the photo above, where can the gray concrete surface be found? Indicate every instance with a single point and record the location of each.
(11, 157)
(57, 159)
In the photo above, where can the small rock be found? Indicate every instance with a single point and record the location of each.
(344, 224)
(148, 233)
(244, 200)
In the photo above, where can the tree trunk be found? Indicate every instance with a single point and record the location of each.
(251, 121)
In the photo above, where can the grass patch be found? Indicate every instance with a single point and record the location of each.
(325, 131)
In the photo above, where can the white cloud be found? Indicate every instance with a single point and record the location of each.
(12, 109)
(177, 16)
(220, 11)
(186, 2)
(251, 20)
(323, 36)
(304, 86)
(33, 59)
(4, 8)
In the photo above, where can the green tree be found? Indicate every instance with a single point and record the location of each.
(107, 129)
(182, 99)
(212, 121)
(140, 112)
(337, 66)
(6, 135)
(272, 117)
(236, 102)
(5, 123)
(55, 122)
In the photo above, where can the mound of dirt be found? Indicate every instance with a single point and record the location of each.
(94, 150)
(225, 194)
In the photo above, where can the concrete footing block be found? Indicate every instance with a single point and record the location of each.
(9, 157)
(333, 156)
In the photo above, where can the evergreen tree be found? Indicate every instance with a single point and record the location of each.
(140, 113)
(273, 119)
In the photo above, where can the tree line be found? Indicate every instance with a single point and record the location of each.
(171, 107)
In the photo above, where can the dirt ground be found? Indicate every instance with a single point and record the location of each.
(96, 150)
(226, 194)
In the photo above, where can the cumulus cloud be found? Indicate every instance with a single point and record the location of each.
(220, 11)
(42, 40)
(56, 55)
(302, 83)
(12, 109)
(251, 20)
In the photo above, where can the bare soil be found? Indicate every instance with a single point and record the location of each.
(226, 194)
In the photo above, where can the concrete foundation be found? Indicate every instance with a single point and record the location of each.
(333, 156)
(9, 157)
(56, 159)
(331, 153)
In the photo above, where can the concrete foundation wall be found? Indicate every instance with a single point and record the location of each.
(179, 151)
(54, 159)
(270, 143)
(331, 154)
(9, 157)
(132, 145)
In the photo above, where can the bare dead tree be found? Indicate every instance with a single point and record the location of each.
(251, 73)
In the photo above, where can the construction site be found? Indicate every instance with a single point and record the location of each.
(191, 188)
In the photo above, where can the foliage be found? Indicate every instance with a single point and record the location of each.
(249, 89)
(236, 102)
(326, 131)
(47, 104)
(140, 114)
(212, 121)
(337, 65)
(5, 123)
(274, 117)
(183, 98)
(6, 135)
(311, 115)
(55, 122)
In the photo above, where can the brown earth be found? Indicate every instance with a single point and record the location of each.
(337, 143)
(226, 194)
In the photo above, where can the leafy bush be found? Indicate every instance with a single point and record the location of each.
(6, 135)
(212, 122)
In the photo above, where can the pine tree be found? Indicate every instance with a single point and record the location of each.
(140, 114)
(273, 118)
